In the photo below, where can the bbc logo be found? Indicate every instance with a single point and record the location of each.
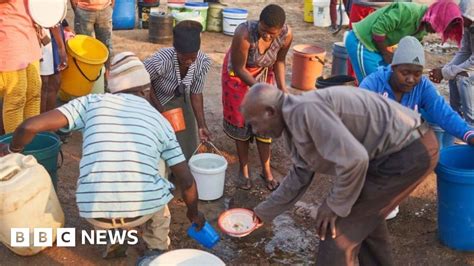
(42, 237)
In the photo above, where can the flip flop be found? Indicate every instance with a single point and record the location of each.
(271, 185)
(247, 183)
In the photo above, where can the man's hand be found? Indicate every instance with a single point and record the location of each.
(197, 218)
(464, 74)
(325, 218)
(257, 220)
(63, 60)
(436, 75)
(204, 134)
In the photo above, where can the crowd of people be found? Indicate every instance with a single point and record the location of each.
(372, 139)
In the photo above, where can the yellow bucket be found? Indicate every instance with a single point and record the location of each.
(308, 11)
(97, 88)
(86, 56)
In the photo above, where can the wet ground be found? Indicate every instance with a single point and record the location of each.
(290, 239)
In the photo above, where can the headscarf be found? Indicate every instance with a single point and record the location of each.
(467, 9)
(187, 37)
(127, 74)
(442, 13)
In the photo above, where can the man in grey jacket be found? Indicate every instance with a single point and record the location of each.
(377, 150)
(460, 71)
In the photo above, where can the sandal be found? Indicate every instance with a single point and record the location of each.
(246, 184)
(271, 185)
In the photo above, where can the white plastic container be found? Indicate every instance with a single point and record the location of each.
(27, 200)
(321, 13)
(187, 257)
(199, 8)
(345, 18)
(233, 17)
(208, 170)
(187, 16)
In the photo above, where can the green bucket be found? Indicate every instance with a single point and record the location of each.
(45, 147)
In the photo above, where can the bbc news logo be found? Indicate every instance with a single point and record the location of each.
(66, 237)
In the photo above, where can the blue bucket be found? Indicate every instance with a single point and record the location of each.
(455, 174)
(45, 147)
(123, 17)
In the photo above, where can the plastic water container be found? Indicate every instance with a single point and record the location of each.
(339, 59)
(455, 176)
(27, 200)
(321, 13)
(233, 17)
(186, 257)
(199, 8)
(208, 170)
(123, 17)
(345, 18)
(207, 236)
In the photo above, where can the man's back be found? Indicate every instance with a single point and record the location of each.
(124, 138)
(381, 125)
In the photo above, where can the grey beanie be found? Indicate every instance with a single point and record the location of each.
(409, 51)
(467, 8)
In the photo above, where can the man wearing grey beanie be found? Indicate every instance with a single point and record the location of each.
(460, 71)
(403, 81)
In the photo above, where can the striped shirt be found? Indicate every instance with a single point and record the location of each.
(165, 76)
(124, 138)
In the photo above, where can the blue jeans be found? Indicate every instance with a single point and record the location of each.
(461, 97)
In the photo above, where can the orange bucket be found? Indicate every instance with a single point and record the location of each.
(176, 118)
(308, 63)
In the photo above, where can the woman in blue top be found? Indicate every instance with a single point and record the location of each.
(404, 82)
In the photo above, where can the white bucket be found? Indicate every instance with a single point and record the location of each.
(187, 16)
(208, 170)
(233, 17)
(321, 13)
(345, 18)
(187, 257)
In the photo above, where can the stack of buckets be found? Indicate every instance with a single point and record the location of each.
(192, 11)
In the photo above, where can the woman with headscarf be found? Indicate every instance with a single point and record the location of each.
(460, 71)
(369, 41)
(177, 77)
(257, 54)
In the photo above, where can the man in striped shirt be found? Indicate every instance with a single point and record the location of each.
(124, 139)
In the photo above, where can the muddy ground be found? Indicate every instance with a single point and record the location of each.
(290, 239)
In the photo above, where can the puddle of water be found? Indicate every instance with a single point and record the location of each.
(290, 242)
(284, 241)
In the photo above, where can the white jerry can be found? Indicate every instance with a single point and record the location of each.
(27, 200)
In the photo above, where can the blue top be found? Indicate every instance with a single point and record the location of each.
(423, 97)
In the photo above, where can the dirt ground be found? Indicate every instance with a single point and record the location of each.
(290, 239)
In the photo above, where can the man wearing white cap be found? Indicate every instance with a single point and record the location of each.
(460, 71)
(403, 81)
(124, 139)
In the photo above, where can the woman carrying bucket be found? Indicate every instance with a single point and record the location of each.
(257, 54)
(177, 76)
(369, 41)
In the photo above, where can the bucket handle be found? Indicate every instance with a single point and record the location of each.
(212, 145)
(60, 163)
(84, 75)
(316, 58)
